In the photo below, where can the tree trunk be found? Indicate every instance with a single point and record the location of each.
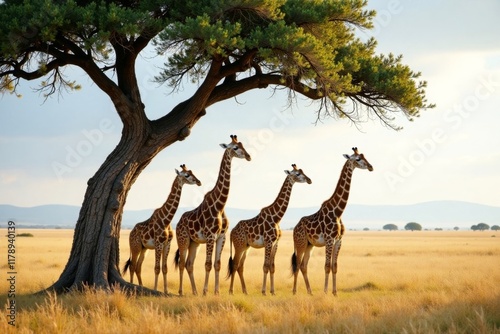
(94, 259)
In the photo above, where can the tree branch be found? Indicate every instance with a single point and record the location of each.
(18, 72)
(242, 63)
(183, 117)
(230, 89)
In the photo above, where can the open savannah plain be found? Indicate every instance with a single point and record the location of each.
(389, 282)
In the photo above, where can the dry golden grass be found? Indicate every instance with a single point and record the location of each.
(410, 282)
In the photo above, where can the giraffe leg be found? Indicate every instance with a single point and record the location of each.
(132, 270)
(303, 267)
(158, 253)
(236, 264)
(183, 244)
(166, 250)
(240, 271)
(135, 244)
(328, 261)
(208, 263)
(300, 245)
(133, 262)
(267, 265)
(138, 267)
(181, 256)
(219, 246)
(296, 261)
(272, 267)
(193, 250)
(336, 251)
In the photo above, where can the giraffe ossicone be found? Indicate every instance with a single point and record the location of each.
(208, 223)
(156, 232)
(325, 228)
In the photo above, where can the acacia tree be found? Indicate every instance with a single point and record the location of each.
(227, 47)
(390, 227)
(412, 226)
(480, 227)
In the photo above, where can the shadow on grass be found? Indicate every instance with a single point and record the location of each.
(368, 286)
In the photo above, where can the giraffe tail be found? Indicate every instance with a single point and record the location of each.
(125, 267)
(294, 267)
(230, 267)
(230, 263)
(177, 258)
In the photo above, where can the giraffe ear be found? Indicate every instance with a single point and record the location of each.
(223, 145)
(287, 172)
(347, 156)
(177, 172)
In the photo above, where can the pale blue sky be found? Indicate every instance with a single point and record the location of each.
(49, 150)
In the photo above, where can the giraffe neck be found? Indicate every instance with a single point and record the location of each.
(280, 204)
(219, 194)
(166, 212)
(341, 194)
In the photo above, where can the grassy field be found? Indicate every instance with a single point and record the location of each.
(389, 282)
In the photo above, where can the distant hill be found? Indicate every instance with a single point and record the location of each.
(443, 214)
(436, 214)
(48, 216)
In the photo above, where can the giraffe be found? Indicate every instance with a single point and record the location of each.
(156, 232)
(207, 224)
(262, 231)
(325, 227)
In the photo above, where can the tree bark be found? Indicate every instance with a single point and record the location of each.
(94, 257)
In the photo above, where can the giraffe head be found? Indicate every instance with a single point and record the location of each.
(236, 149)
(186, 176)
(297, 175)
(358, 160)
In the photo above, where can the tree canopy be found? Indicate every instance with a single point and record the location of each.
(225, 47)
(412, 226)
(390, 227)
(480, 227)
(310, 47)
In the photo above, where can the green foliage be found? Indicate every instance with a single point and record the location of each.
(390, 227)
(412, 226)
(308, 46)
(90, 26)
(495, 228)
(39, 37)
(480, 227)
